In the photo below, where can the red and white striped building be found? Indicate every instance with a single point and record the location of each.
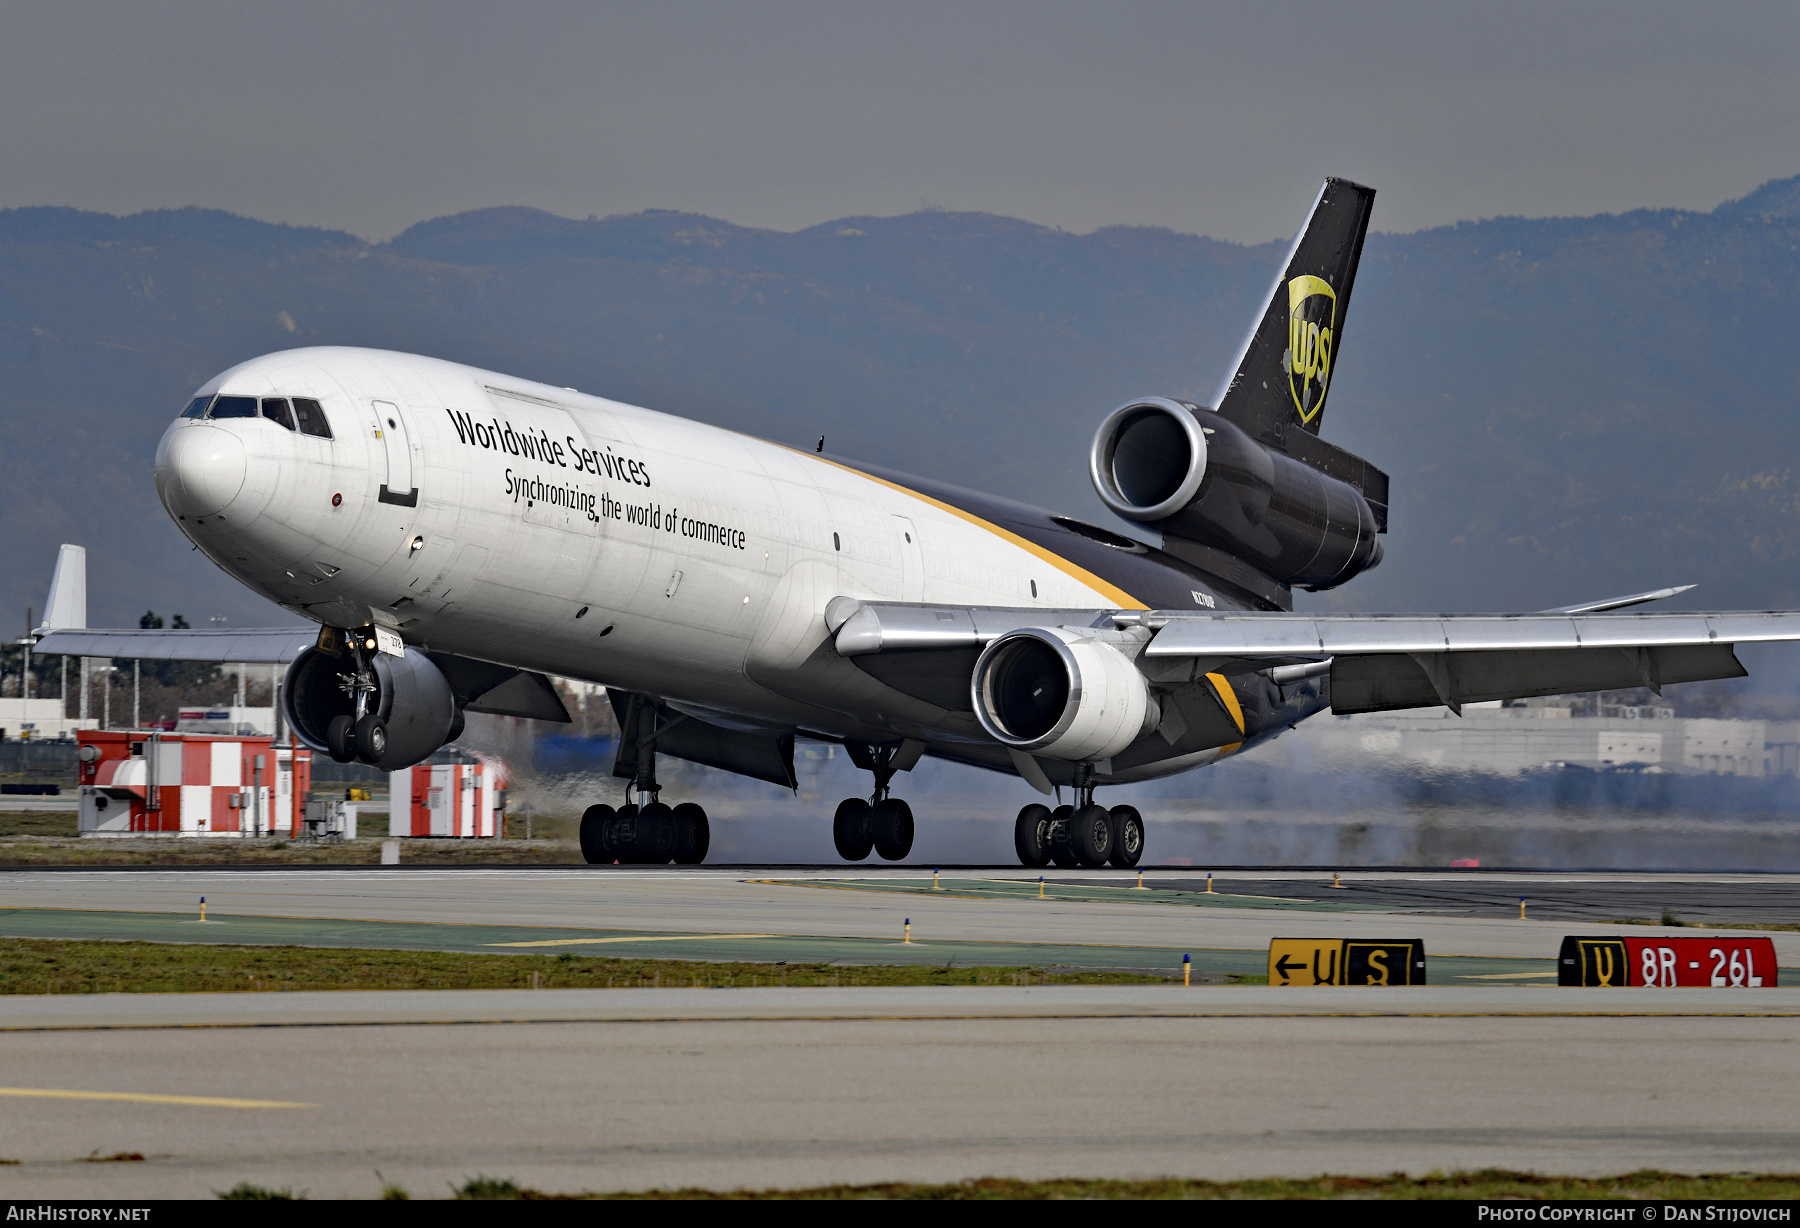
(446, 799)
(135, 782)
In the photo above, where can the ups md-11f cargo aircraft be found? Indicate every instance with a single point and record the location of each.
(457, 535)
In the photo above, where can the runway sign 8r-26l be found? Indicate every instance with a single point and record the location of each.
(1346, 961)
(1667, 963)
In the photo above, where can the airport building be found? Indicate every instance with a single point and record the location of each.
(1549, 733)
(138, 782)
(38, 720)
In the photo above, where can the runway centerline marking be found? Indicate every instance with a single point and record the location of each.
(211, 1102)
(589, 942)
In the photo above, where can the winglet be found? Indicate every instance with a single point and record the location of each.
(1616, 603)
(66, 607)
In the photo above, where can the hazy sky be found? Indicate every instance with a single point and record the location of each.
(1221, 120)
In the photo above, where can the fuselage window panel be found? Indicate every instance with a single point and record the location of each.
(198, 408)
(234, 407)
(312, 418)
(275, 409)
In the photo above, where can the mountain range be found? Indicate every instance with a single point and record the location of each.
(1569, 408)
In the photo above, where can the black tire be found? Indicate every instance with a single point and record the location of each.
(656, 834)
(1128, 836)
(340, 736)
(1031, 835)
(693, 835)
(1060, 852)
(852, 829)
(594, 834)
(1091, 836)
(371, 739)
(893, 828)
(618, 836)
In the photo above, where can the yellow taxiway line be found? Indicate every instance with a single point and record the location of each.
(590, 942)
(211, 1102)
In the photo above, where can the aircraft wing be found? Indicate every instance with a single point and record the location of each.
(271, 645)
(1377, 662)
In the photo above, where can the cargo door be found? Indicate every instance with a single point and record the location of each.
(390, 427)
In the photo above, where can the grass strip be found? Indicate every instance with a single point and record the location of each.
(1671, 921)
(53, 966)
(39, 823)
(33, 838)
(1491, 1183)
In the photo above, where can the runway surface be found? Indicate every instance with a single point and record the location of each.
(760, 1088)
(1455, 916)
(609, 1089)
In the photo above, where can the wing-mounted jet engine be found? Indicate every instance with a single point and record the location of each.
(347, 697)
(1195, 475)
(1052, 692)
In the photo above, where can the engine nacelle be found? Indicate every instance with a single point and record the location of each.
(1054, 693)
(411, 699)
(1195, 475)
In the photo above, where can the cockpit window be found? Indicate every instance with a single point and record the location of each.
(275, 409)
(198, 408)
(234, 407)
(312, 418)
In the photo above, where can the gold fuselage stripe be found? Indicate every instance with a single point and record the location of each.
(1119, 597)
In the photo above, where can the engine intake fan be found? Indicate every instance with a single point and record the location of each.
(1192, 474)
(1054, 693)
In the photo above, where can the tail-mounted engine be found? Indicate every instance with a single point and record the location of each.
(359, 704)
(1057, 694)
(1193, 474)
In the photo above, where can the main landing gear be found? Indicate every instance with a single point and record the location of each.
(645, 833)
(1080, 835)
(883, 823)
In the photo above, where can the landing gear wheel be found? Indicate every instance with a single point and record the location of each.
(371, 739)
(594, 834)
(655, 834)
(340, 736)
(1031, 835)
(852, 829)
(893, 829)
(692, 834)
(617, 835)
(1128, 836)
(1091, 836)
(1060, 852)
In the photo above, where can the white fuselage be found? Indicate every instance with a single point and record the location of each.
(569, 534)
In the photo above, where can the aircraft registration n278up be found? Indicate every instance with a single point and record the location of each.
(459, 534)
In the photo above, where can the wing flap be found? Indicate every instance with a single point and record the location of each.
(1382, 682)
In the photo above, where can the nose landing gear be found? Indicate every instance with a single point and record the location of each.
(359, 735)
(1084, 834)
(883, 824)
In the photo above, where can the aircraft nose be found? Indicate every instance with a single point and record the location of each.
(200, 470)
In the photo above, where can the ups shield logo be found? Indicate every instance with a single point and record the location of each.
(1312, 321)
